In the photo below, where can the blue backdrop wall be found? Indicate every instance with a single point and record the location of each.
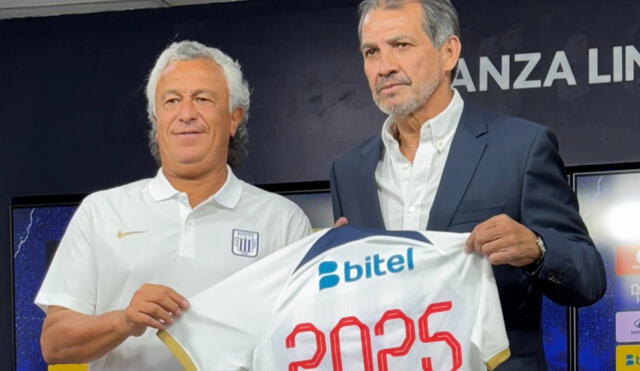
(74, 117)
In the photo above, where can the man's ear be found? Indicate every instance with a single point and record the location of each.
(450, 52)
(236, 118)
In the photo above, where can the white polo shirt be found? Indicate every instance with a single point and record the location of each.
(146, 232)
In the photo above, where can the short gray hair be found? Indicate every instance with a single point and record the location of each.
(238, 92)
(440, 19)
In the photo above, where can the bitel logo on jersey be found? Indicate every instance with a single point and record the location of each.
(370, 267)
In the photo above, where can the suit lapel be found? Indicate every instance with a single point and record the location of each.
(368, 195)
(466, 150)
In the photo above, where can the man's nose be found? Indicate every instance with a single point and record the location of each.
(388, 63)
(188, 111)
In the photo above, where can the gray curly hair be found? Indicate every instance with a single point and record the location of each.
(238, 93)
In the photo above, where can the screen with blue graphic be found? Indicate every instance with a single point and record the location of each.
(609, 331)
(555, 335)
(36, 231)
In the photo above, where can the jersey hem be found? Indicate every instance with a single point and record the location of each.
(177, 350)
(498, 359)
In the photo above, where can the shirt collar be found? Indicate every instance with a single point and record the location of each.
(227, 196)
(160, 188)
(439, 129)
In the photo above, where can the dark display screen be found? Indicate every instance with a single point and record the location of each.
(609, 331)
(36, 232)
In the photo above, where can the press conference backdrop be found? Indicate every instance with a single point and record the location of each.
(74, 118)
(571, 65)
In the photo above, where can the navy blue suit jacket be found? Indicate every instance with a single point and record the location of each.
(497, 164)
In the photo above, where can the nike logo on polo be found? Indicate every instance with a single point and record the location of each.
(122, 234)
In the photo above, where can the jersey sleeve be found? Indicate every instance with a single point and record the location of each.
(71, 279)
(220, 329)
(489, 334)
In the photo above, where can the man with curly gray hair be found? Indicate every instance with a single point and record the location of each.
(239, 94)
(133, 254)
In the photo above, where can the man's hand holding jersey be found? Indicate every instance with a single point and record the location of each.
(73, 337)
(153, 306)
(504, 241)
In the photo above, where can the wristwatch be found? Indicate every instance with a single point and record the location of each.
(533, 268)
(541, 247)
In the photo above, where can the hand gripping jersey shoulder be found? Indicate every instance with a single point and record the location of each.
(350, 299)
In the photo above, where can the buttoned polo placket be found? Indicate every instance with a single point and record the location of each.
(227, 197)
(187, 235)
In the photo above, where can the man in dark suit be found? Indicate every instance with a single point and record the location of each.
(441, 164)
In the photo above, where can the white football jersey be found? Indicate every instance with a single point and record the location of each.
(349, 299)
